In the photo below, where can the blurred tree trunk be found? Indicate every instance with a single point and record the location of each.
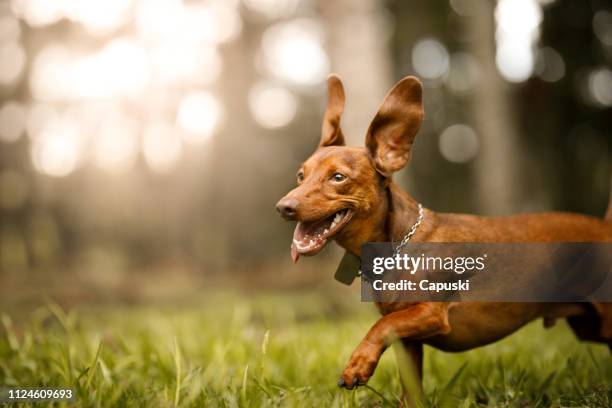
(497, 166)
(358, 34)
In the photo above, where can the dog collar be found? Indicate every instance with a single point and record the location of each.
(350, 264)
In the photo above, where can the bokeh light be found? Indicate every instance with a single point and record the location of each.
(141, 48)
(550, 66)
(49, 77)
(56, 151)
(158, 19)
(162, 147)
(465, 8)
(187, 63)
(99, 17)
(272, 8)
(38, 13)
(38, 115)
(272, 106)
(430, 58)
(458, 143)
(602, 26)
(600, 86)
(518, 24)
(293, 51)
(121, 68)
(199, 113)
(212, 22)
(116, 144)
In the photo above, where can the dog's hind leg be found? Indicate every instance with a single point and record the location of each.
(595, 325)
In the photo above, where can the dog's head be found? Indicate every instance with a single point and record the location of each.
(341, 189)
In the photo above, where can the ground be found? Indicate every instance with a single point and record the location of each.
(278, 350)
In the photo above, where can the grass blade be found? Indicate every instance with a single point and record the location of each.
(379, 394)
(445, 393)
(243, 391)
(451, 383)
(177, 367)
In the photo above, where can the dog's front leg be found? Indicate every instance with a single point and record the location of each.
(416, 322)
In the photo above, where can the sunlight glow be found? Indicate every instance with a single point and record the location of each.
(99, 17)
(38, 13)
(272, 8)
(48, 77)
(162, 147)
(38, 116)
(121, 68)
(56, 150)
(198, 114)
(518, 23)
(214, 22)
(293, 52)
(272, 106)
(185, 62)
(146, 54)
(116, 144)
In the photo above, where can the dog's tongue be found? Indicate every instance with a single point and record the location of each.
(294, 253)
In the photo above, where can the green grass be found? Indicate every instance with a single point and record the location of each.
(278, 351)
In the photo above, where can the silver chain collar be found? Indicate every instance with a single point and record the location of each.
(409, 235)
(412, 231)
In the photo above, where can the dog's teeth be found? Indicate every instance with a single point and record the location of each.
(311, 242)
(325, 231)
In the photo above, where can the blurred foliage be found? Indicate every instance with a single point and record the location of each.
(187, 207)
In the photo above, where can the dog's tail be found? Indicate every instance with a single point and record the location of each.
(608, 216)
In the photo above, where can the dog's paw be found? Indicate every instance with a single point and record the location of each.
(360, 367)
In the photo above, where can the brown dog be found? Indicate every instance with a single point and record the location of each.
(346, 194)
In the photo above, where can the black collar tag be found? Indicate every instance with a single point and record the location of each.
(348, 269)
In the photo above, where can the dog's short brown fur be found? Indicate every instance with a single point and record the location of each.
(381, 211)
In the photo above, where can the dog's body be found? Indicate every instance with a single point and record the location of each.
(347, 193)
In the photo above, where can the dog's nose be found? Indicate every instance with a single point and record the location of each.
(287, 207)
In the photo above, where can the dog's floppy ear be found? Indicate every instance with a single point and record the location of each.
(331, 134)
(392, 132)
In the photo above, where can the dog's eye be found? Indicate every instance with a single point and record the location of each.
(300, 177)
(338, 177)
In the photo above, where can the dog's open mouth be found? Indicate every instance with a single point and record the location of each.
(309, 238)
